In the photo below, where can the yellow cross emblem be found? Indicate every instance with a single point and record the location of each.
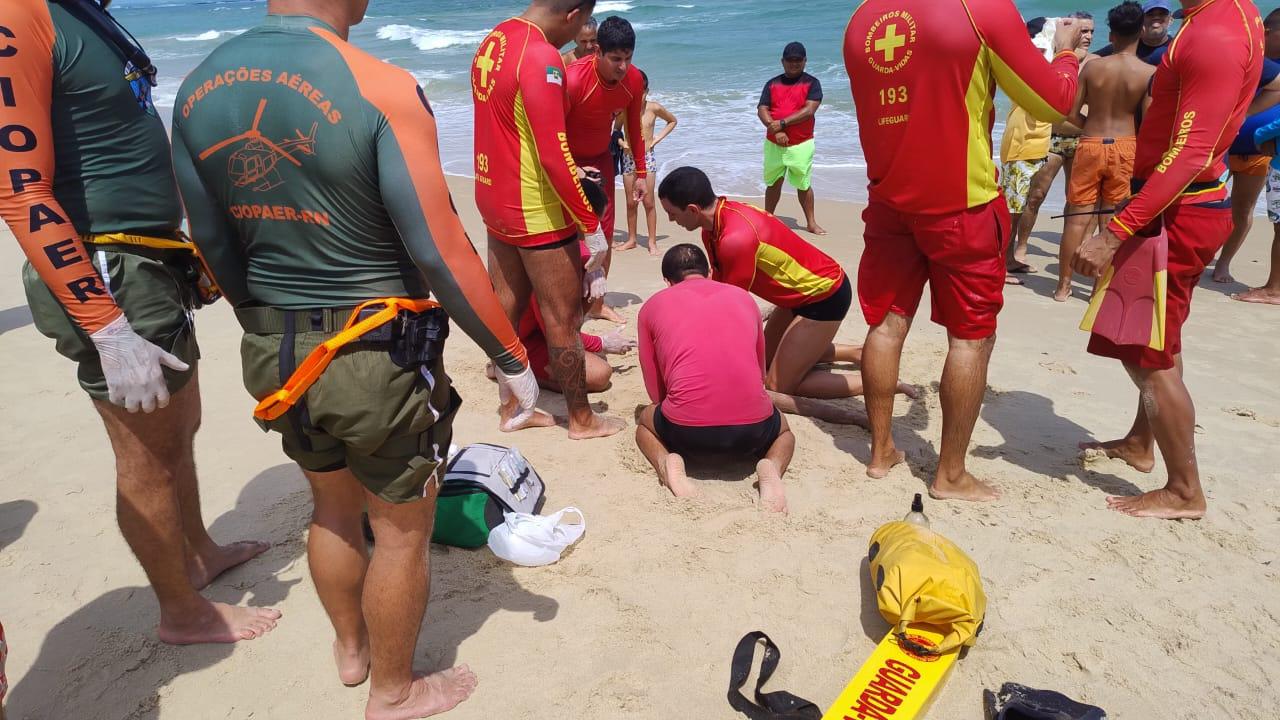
(485, 63)
(890, 43)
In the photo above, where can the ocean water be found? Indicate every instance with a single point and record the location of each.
(707, 61)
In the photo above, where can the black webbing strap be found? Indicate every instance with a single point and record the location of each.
(777, 705)
(289, 363)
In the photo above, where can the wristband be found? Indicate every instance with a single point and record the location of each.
(783, 122)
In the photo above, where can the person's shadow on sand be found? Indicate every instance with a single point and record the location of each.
(922, 456)
(1037, 439)
(108, 648)
(467, 588)
(15, 516)
(14, 318)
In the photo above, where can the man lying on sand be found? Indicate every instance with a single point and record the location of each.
(755, 251)
(702, 355)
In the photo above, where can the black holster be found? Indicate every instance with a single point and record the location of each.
(416, 339)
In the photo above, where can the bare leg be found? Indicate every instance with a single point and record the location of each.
(633, 211)
(147, 448)
(1073, 234)
(818, 410)
(839, 352)
(206, 560)
(339, 559)
(1137, 447)
(394, 601)
(556, 275)
(1010, 266)
(769, 471)
(668, 465)
(1172, 415)
(881, 357)
(1268, 294)
(803, 344)
(772, 195)
(599, 375)
(964, 382)
(807, 204)
(1245, 190)
(1040, 183)
(651, 210)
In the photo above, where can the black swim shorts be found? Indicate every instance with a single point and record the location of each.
(753, 440)
(832, 308)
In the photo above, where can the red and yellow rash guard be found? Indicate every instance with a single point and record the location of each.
(592, 105)
(1199, 95)
(924, 75)
(753, 250)
(527, 185)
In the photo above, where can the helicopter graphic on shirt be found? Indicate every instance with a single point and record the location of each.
(255, 163)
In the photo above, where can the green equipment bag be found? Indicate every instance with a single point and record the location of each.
(481, 482)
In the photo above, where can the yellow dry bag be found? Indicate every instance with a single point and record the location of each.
(923, 579)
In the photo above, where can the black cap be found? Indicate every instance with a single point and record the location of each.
(794, 51)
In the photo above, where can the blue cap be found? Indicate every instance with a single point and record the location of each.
(1150, 5)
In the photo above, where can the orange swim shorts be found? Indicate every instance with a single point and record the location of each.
(1102, 170)
(1254, 165)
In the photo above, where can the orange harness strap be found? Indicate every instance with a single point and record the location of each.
(310, 370)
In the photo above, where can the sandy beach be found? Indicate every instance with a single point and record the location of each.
(1148, 619)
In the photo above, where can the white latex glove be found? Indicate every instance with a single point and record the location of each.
(524, 387)
(594, 285)
(131, 365)
(598, 246)
(615, 343)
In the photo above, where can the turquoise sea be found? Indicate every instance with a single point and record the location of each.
(707, 61)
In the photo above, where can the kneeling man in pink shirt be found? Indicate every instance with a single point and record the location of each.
(702, 354)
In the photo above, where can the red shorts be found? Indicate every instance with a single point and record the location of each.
(1196, 234)
(535, 346)
(960, 255)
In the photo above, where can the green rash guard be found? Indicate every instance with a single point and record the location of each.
(311, 176)
(82, 151)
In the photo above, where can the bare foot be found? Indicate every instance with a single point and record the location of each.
(816, 229)
(428, 695)
(653, 249)
(600, 426)
(353, 665)
(219, 623)
(1062, 295)
(489, 372)
(1161, 504)
(773, 494)
(675, 479)
(1139, 458)
(205, 566)
(608, 313)
(1012, 280)
(882, 463)
(910, 391)
(967, 487)
(1222, 274)
(1262, 296)
(628, 245)
(539, 418)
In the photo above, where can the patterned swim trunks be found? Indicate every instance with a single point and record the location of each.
(1015, 181)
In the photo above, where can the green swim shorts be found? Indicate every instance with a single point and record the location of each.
(794, 161)
(155, 292)
(392, 427)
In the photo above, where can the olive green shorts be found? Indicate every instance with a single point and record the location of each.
(156, 296)
(392, 427)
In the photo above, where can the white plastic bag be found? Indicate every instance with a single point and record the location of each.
(533, 540)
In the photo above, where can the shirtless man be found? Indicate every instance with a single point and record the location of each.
(1199, 97)
(87, 181)
(811, 293)
(529, 193)
(1113, 88)
(585, 45)
(653, 111)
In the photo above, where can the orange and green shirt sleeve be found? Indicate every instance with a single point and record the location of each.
(40, 223)
(412, 183)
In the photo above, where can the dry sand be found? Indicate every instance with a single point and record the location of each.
(1148, 619)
